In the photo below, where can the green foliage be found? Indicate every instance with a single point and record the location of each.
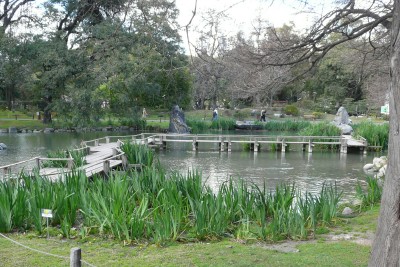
(287, 125)
(149, 205)
(136, 123)
(320, 129)
(62, 154)
(372, 195)
(291, 110)
(198, 126)
(138, 154)
(240, 115)
(375, 134)
(318, 115)
(223, 124)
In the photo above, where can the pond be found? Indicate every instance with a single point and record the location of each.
(309, 171)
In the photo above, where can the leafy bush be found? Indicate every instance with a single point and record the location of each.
(318, 115)
(240, 115)
(291, 110)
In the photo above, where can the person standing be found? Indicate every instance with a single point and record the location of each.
(215, 114)
(262, 117)
(144, 113)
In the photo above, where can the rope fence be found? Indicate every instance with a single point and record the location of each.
(74, 259)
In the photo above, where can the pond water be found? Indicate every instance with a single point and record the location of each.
(308, 171)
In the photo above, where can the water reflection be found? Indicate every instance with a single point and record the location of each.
(307, 170)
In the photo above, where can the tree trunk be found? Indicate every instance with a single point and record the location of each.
(47, 111)
(386, 247)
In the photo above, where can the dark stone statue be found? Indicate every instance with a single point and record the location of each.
(343, 121)
(177, 123)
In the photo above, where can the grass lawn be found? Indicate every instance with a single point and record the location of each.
(31, 124)
(223, 253)
(319, 252)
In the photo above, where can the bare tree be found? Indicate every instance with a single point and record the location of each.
(209, 65)
(13, 11)
(353, 21)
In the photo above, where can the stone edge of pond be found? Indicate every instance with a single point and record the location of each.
(15, 130)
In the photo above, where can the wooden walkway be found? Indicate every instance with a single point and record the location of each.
(104, 154)
(225, 142)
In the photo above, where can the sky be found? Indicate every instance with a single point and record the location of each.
(242, 13)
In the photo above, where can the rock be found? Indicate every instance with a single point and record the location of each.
(342, 117)
(381, 172)
(345, 129)
(48, 130)
(379, 163)
(177, 122)
(3, 146)
(3, 130)
(347, 211)
(368, 167)
(342, 121)
(12, 130)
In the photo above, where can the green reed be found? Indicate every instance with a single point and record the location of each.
(375, 134)
(371, 195)
(138, 154)
(320, 129)
(155, 206)
(287, 125)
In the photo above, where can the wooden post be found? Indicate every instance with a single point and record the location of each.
(124, 159)
(75, 257)
(304, 147)
(115, 152)
(195, 144)
(6, 171)
(133, 139)
(256, 145)
(96, 142)
(38, 163)
(229, 145)
(221, 143)
(107, 140)
(310, 146)
(343, 146)
(70, 163)
(283, 148)
(106, 167)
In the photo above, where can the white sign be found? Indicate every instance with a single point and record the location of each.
(46, 213)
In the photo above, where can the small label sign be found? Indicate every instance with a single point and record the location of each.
(46, 213)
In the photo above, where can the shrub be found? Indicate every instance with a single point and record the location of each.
(318, 115)
(291, 110)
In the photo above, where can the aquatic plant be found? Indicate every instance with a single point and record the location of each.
(158, 207)
(320, 129)
(137, 153)
(371, 195)
(286, 125)
(375, 134)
